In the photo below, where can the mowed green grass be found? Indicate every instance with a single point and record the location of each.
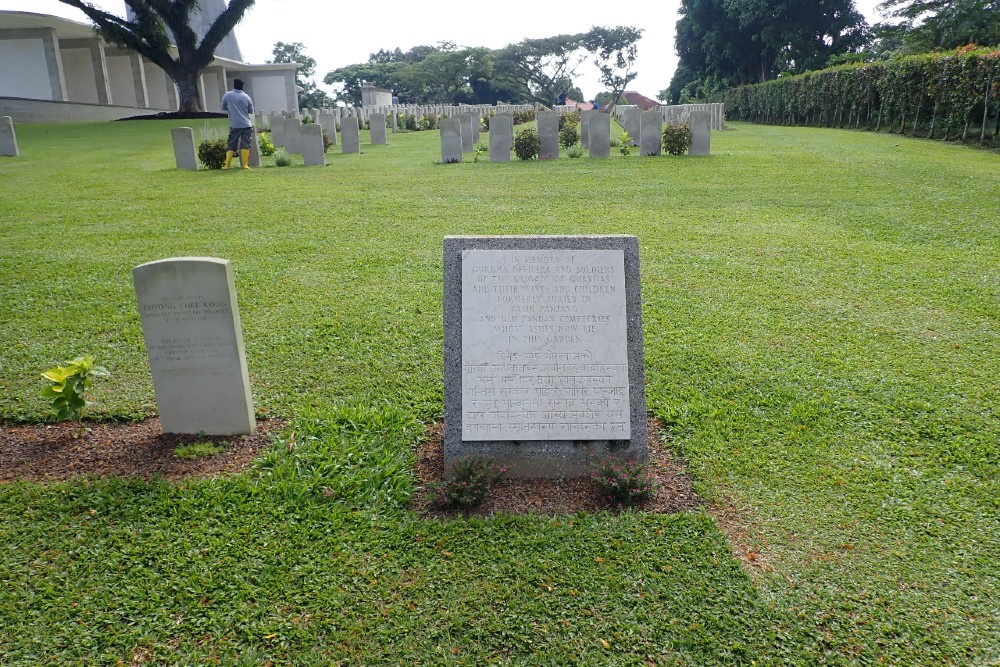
(821, 311)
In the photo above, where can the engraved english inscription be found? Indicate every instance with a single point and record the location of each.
(544, 345)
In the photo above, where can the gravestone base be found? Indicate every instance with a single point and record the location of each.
(546, 381)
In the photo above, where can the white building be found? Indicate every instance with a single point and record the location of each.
(55, 69)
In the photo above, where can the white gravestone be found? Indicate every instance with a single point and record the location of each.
(194, 339)
(377, 132)
(599, 144)
(329, 123)
(350, 142)
(544, 345)
(548, 135)
(451, 140)
(8, 139)
(501, 137)
(701, 133)
(650, 133)
(311, 145)
(184, 152)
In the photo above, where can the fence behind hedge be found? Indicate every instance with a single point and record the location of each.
(939, 96)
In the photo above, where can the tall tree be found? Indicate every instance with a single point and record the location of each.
(310, 95)
(147, 34)
(540, 68)
(932, 24)
(615, 50)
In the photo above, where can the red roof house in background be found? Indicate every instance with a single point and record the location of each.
(628, 97)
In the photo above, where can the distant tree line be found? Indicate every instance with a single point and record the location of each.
(532, 70)
(727, 43)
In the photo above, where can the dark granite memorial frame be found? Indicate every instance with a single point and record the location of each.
(542, 458)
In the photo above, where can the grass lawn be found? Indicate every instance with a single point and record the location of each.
(822, 325)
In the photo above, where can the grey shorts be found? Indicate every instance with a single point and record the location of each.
(239, 138)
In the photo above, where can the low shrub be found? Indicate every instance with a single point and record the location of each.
(627, 482)
(466, 484)
(484, 123)
(265, 144)
(569, 136)
(282, 159)
(409, 122)
(68, 385)
(575, 151)
(212, 153)
(527, 145)
(569, 119)
(676, 139)
(625, 144)
(327, 141)
(522, 117)
(428, 122)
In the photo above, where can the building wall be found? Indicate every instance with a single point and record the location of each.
(26, 72)
(270, 93)
(78, 67)
(122, 81)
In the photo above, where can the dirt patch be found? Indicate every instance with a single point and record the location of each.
(58, 452)
(549, 496)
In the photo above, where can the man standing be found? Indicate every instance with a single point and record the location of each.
(240, 108)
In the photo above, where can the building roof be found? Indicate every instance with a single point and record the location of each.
(639, 100)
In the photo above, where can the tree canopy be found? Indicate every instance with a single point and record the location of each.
(155, 25)
(532, 70)
(728, 42)
(926, 25)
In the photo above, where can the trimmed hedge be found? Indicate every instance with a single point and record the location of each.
(943, 96)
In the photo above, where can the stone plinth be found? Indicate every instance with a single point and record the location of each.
(185, 156)
(651, 133)
(548, 134)
(8, 138)
(600, 135)
(543, 352)
(194, 339)
(451, 140)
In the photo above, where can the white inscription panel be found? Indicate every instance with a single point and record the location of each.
(544, 345)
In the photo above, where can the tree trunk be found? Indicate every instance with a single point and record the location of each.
(189, 91)
(986, 110)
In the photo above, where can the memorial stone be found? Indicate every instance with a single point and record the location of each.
(185, 156)
(501, 137)
(701, 132)
(543, 352)
(600, 135)
(548, 134)
(350, 142)
(651, 133)
(329, 123)
(377, 132)
(585, 127)
(451, 140)
(477, 124)
(293, 135)
(191, 326)
(467, 120)
(311, 145)
(254, 160)
(631, 123)
(278, 130)
(8, 138)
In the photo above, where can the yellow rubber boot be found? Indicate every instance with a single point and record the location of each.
(229, 160)
(245, 158)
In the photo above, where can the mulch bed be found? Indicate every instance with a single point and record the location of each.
(59, 452)
(551, 496)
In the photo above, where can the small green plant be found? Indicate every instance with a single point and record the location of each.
(522, 117)
(265, 144)
(480, 150)
(569, 119)
(569, 136)
(307, 120)
(627, 482)
(282, 159)
(327, 141)
(575, 151)
(200, 449)
(212, 153)
(527, 145)
(676, 139)
(68, 385)
(466, 484)
(625, 144)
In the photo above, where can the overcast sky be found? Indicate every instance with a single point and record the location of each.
(338, 34)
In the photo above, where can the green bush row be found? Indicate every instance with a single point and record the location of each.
(953, 95)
